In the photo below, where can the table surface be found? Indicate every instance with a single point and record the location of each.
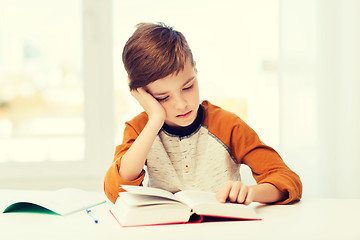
(307, 219)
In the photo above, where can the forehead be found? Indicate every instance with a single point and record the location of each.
(172, 81)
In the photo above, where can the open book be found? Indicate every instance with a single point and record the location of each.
(62, 202)
(140, 206)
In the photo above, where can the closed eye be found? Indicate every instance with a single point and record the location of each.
(187, 88)
(161, 99)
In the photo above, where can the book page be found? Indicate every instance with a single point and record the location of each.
(128, 215)
(205, 203)
(149, 191)
(145, 200)
(192, 197)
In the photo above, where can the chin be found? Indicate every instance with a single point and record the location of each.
(179, 124)
(187, 124)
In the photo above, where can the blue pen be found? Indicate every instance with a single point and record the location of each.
(91, 214)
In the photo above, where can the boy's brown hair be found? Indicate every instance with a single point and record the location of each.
(154, 51)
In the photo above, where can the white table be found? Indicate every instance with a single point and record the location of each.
(307, 219)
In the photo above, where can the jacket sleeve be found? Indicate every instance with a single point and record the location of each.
(265, 163)
(113, 180)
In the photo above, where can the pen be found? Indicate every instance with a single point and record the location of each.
(91, 214)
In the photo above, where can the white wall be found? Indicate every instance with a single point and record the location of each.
(319, 94)
(339, 99)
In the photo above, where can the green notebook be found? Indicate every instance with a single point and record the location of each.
(59, 202)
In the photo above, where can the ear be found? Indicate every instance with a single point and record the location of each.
(195, 68)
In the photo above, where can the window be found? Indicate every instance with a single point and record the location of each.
(41, 87)
(55, 93)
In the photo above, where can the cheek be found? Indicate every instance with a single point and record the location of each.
(166, 106)
(193, 95)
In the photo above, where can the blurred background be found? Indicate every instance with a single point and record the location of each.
(289, 68)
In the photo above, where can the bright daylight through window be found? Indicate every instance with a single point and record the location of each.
(41, 88)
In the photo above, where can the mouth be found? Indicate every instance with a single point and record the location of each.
(184, 115)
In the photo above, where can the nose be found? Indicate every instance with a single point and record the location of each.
(180, 103)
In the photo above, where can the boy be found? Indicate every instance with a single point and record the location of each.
(184, 143)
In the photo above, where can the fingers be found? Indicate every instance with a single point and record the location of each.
(142, 91)
(142, 96)
(224, 193)
(235, 191)
(249, 197)
(151, 106)
(135, 93)
(138, 93)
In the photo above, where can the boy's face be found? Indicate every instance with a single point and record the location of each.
(178, 95)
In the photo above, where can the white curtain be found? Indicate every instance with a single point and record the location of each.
(320, 94)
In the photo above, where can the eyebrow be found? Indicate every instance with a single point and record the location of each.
(163, 93)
